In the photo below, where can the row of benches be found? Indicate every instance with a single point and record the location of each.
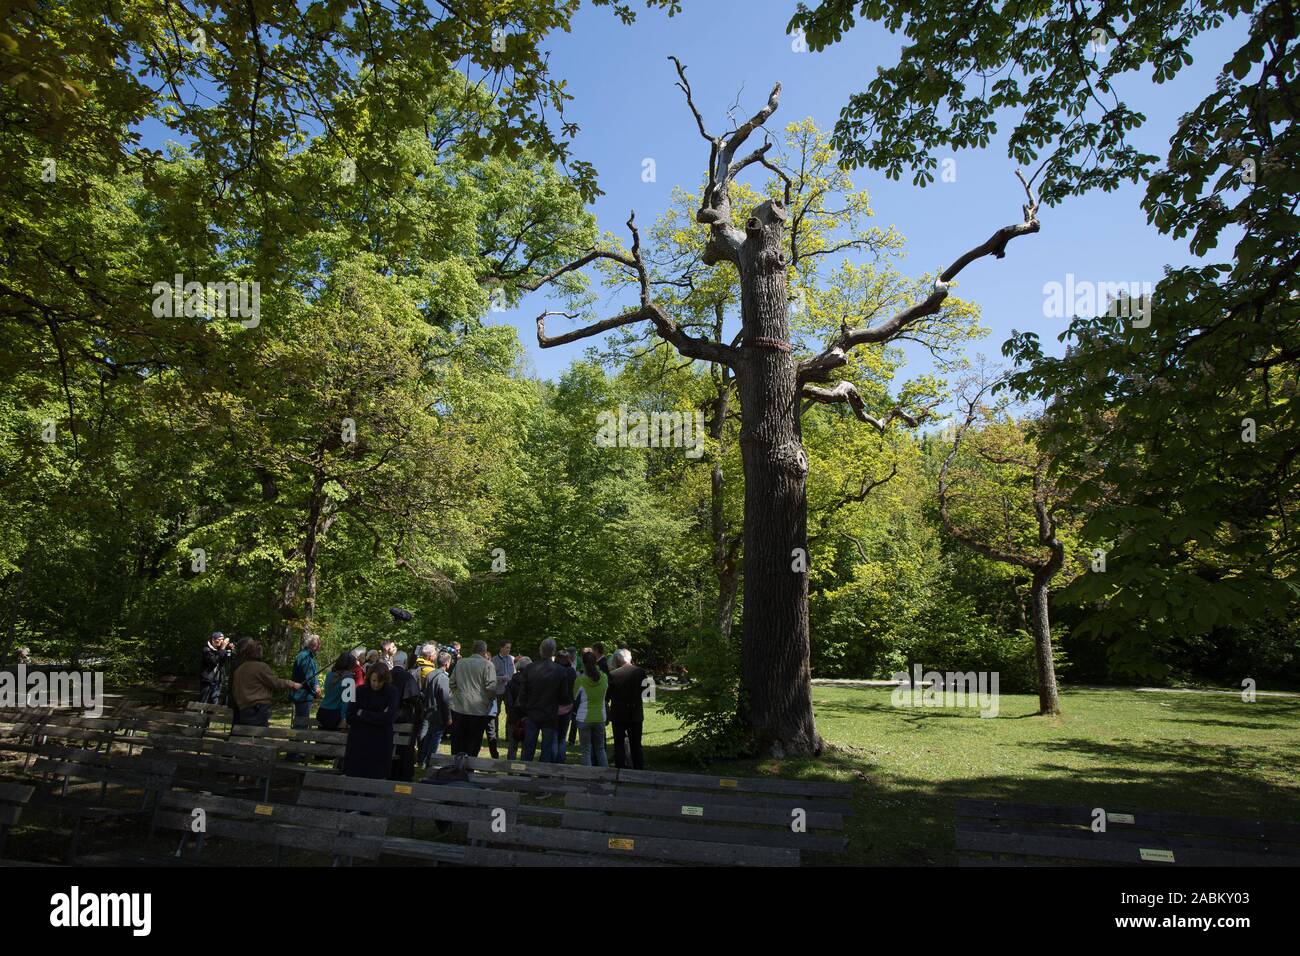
(136, 727)
(997, 833)
(508, 813)
(518, 813)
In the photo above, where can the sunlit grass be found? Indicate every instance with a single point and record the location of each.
(1197, 753)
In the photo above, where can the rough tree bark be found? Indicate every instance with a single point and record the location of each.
(775, 641)
(772, 384)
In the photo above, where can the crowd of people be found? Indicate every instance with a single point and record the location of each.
(562, 699)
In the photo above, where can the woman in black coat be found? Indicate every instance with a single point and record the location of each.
(369, 751)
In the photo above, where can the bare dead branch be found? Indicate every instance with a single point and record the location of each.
(535, 284)
(715, 205)
(685, 87)
(688, 345)
(847, 393)
(596, 328)
(835, 355)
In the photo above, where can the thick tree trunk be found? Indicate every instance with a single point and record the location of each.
(775, 649)
(1048, 699)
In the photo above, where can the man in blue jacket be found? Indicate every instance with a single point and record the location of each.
(305, 670)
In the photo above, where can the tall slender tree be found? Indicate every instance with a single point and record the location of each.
(999, 497)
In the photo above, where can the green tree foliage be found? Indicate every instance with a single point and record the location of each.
(380, 200)
(588, 546)
(1187, 427)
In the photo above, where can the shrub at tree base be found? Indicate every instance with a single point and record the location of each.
(710, 708)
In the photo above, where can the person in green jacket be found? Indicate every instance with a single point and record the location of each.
(589, 710)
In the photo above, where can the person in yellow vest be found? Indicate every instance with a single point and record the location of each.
(426, 661)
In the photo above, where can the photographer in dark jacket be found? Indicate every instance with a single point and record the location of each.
(627, 684)
(212, 671)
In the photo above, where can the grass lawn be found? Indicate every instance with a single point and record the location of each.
(1195, 753)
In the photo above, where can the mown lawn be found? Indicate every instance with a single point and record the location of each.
(1121, 749)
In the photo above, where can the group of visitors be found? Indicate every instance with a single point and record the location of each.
(557, 699)
(554, 702)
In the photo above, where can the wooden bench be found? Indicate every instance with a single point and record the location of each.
(603, 847)
(120, 772)
(790, 795)
(13, 797)
(149, 719)
(139, 724)
(210, 762)
(307, 743)
(631, 813)
(679, 788)
(11, 714)
(451, 805)
(994, 833)
(26, 739)
(340, 835)
(710, 818)
(216, 717)
(446, 806)
(543, 780)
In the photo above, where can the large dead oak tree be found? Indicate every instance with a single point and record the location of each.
(772, 384)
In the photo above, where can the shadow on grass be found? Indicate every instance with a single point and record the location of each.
(906, 819)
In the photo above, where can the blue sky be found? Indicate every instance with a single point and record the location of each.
(628, 108)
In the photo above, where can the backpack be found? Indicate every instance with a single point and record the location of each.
(456, 773)
(511, 696)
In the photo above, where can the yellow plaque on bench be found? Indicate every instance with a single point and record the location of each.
(518, 766)
(1156, 856)
(402, 788)
(263, 809)
(621, 843)
(1120, 818)
(726, 782)
(692, 811)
